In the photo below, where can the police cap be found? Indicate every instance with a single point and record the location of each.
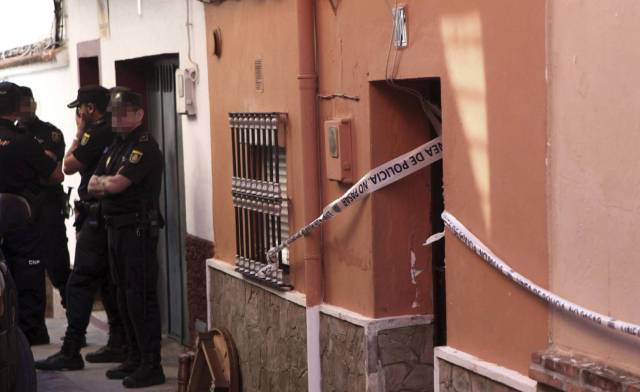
(122, 97)
(94, 94)
(9, 98)
(25, 92)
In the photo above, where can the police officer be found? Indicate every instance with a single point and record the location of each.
(128, 181)
(91, 266)
(24, 167)
(52, 209)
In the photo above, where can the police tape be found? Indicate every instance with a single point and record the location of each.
(375, 179)
(472, 242)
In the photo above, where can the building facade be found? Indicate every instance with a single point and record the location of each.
(297, 99)
(523, 90)
(138, 45)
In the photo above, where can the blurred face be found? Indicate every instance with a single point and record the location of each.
(125, 118)
(27, 111)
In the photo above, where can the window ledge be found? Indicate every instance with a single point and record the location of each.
(47, 60)
(229, 269)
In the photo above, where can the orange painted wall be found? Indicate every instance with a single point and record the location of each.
(593, 177)
(490, 57)
(495, 148)
(232, 89)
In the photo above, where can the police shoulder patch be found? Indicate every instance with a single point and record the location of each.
(85, 139)
(135, 156)
(56, 136)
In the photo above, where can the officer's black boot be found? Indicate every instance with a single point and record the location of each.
(68, 358)
(114, 351)
(149, 373)
(83, 343)
(130, 365)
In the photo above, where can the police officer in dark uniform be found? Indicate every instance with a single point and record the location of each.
(51, 219)
(25, 166)
(91, 266)
(128, 181)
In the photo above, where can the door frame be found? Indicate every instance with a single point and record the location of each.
(134, 70)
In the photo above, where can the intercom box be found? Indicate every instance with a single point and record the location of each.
(338, 150)
(186, 91)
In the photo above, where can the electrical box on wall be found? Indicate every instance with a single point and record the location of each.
(338, 154)
(186, 91)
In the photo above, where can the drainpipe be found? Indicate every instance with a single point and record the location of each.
(308, 86)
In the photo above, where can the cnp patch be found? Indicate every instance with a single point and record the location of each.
(135, 156)
(56, 136)
(85, 139)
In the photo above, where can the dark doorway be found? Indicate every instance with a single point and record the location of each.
(88, 71)
(88, 62)
(154, 78)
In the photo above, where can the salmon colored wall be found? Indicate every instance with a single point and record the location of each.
(490, 57)
(232, 89)
(495, 149)
(594, 182)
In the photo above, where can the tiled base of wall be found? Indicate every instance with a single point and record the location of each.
(269, 333)
(458, 379)
(357, 354)
(457, 371)
(198, 250)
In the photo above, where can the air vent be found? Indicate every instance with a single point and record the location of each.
(259, 75)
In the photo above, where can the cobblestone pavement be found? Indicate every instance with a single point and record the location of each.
(92, 378)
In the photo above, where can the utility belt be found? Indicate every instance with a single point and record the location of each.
(55, 197)
(145, 222)
(89, 212)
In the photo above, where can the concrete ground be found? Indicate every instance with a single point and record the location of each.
(92, 378)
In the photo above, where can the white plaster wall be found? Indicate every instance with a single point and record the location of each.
(594, 171)
(160, 29)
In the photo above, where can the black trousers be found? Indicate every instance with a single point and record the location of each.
(90, 273)
(134, 266)
(23, 255)
(54, 248)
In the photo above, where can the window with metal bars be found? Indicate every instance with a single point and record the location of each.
(259, 190)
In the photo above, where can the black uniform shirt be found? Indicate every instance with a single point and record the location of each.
(137, 157)
(51, 139)
(93, 143)
(22, 160)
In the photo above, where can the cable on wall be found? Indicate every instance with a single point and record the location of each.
(189, 25)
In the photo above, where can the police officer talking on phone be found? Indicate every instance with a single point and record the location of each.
(128, 180)
(91, 266)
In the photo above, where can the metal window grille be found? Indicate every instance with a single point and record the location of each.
(259, 190)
